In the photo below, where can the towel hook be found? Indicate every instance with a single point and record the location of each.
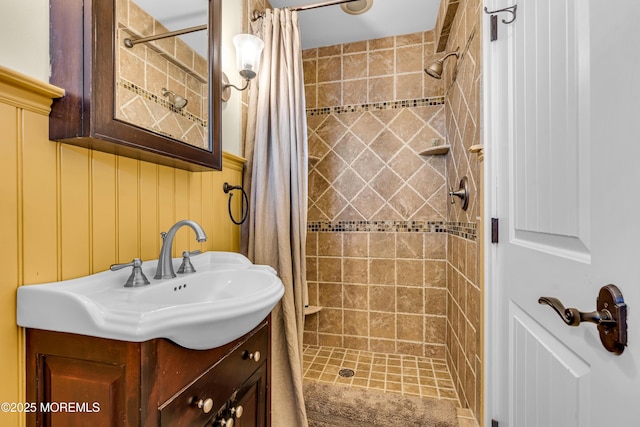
(227, 188)
(510, 9)
(494, 19)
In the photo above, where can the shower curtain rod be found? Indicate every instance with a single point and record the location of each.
(130, 42)
(258, 14)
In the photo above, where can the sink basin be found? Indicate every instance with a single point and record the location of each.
(226, 298)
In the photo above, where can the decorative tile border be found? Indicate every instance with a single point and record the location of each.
(461, 229)
(377, 106)
(162, 102)
(378, 226)
(465, 230)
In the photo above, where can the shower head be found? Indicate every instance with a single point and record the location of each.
(178, 101)
(435, 69)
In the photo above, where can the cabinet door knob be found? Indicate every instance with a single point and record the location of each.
(237, 411)
(205, 404)
(255, 356)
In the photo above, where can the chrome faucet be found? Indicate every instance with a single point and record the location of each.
(165, 264)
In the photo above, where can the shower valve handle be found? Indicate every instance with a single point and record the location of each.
(462, 192)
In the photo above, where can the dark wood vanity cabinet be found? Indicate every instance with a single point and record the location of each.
(75, 380)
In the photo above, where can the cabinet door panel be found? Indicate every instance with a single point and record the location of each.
(80, 392)
(84, 381)
(253, 401)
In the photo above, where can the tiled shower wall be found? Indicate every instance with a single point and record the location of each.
(376, 242)
(462, 110)
(352, 247)
(144, 70)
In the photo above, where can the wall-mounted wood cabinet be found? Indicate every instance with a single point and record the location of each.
(123, 100)
(77, 380)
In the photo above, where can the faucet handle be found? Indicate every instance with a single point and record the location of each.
(186, 266)
(137, 277)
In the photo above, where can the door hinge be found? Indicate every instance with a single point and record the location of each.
(494, 423)
(494, 230)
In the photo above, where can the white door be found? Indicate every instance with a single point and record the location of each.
(562, 134)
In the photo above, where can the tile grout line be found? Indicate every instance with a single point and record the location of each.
(402, 365)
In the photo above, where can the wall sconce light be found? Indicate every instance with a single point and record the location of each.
(435, 69)
(248, 52)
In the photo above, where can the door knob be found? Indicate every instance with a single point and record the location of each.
(610, 316)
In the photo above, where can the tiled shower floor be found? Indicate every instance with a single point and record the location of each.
(391, 373)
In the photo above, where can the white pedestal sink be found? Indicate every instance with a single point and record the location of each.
(224, 299)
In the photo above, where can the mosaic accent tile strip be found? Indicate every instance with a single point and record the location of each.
(378, 226)
(466, 230)
(377, 106)
(461, 229)
(158, 100)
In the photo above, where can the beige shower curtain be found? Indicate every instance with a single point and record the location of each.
(276, 178)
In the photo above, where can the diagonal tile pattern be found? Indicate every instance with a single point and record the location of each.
(365, 162)
(387, 281)
(377, 208)
(143, 72)
(462, 117)
(391, 285)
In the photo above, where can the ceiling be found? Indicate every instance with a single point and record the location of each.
(324, 26)
(330, 25)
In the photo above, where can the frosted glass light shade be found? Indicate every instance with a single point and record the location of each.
(248, 52)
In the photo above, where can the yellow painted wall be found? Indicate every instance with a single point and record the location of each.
(68, 211)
